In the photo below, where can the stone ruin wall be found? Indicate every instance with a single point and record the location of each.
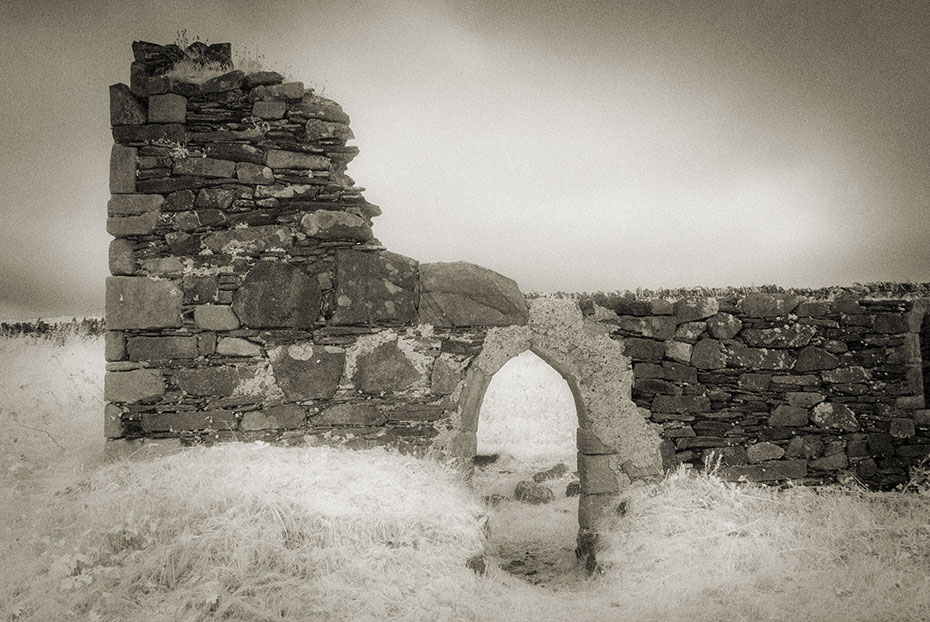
(249, 300)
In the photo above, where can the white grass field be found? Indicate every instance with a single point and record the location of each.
(254, 532)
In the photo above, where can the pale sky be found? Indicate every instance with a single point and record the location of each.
(574, 146)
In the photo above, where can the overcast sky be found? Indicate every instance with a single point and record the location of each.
(573, 146)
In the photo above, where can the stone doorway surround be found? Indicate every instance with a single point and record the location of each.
(616, 443)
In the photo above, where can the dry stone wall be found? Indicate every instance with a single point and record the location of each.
(250, 300)
(781, 387)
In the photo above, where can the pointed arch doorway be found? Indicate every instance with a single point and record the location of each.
(615, 441)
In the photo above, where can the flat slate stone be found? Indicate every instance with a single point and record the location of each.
(375, 288)
(124, 226)
(277, 295)
(768, 472)
(249, 173)
(192, 420)
(226, 82)
(691, 309)
(140, 302)
(464, 294)
(148, 133)
(768, 305)
(278, 158)
(215, 381)
(812, 359)
(132, 386)
(215, 317)
(307, 371)
(709, 354)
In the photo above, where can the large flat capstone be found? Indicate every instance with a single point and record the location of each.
(463, 294)
(373, 288)
(277, 295)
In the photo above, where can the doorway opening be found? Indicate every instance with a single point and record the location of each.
(525, 470)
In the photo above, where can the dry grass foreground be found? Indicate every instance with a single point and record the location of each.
(251, 532)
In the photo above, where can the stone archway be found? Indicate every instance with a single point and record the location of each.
(616, 443)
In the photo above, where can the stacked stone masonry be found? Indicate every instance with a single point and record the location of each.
(249, 300)
(780, 387)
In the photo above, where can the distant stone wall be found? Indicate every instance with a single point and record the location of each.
(249, 300)
(780, 387)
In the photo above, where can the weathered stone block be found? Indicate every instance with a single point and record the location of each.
(807, 447)
(902, 428)
(678, 351)
(768, 305)
(161, 348)
(216, 198)
(199, 289)
(812, 359)
(124, 226)
(661, 327)
(845, 375)
(788, 416)
(644, 349)
(215, 317)
(690, 331)
(134, 204)
(833, 462)
(724, 325)
(269, 110)
(204, 167)
(277, 295)
(445, 377)
(755, 382)
(112, 421)
(140, 302)
(793, 336)
(385, 369)
(318, 107)
(249, 241)
(125, 108)
(226, 82)
(114, 345)
(121, 257)
(191, 420)
(813, 309)
(835, 416)
(709, 354)
(375, 288)
(768, 472)
(248, 173)
(316, 129)
(216, 381)
(283, 417)
(690, 309)
(587, 442)
(463, 294)
(306, 371)
(261, 78)
(415, 412)
(534, 493)
(132, 386)
(762, 452)
(123, 162)
(803, 399)
(167, 108)
(277, 158)
(237, 346)
(163, 266)
(761, 358)
(599, 474)
(335, 225)
(236, 152)
(350, 415)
